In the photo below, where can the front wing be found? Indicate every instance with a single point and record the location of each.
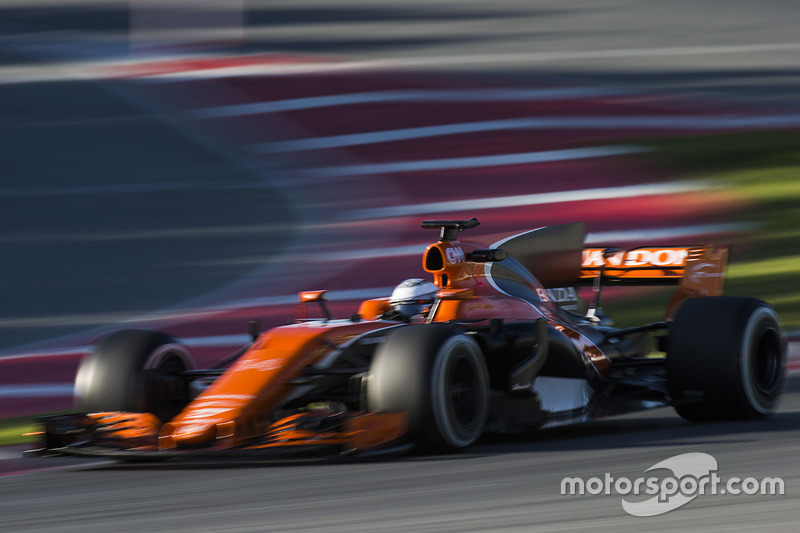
(135, 437)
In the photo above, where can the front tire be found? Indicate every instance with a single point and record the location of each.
(438, 375)
(726, 359)
(134, 370)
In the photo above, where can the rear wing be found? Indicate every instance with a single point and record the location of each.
(697, 270)
(654, 265)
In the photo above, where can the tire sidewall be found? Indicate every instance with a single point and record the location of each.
(761, 322)
(115, 375)
(410, 372)
(459, 349)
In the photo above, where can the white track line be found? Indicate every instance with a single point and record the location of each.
(547, 156)
(55, 352)
(552, 123)
(371, 97)
(578, 55)
(345, 295)
(36, 390)
(191, 342)
(84, 464)
(126, 188)
(275, 69)
(371, 253)
(7, 455)
(479, 204)
(101, 69)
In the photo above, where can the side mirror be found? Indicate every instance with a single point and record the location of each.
(316, 296)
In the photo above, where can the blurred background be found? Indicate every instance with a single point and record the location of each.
(190, 165)
(160, 154)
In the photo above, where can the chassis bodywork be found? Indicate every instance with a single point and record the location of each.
(543, 360)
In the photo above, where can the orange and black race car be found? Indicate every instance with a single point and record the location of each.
(504, 344)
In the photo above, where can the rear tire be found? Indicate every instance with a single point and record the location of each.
(726, 359)
(134, 370)
(438, 375)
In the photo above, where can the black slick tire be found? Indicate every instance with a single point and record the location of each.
(134, 370)
(438, 375)
(726, 359)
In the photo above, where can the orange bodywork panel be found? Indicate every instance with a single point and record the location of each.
(374, 429)
(484, 308)
(372, 309)
(465, 293)
(599, 360)
(233, 407)
(361, 430)
(128, 430)
(704, 276)
(447, 261)
(312, 296)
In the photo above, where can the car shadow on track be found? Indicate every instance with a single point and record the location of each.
(637, 432)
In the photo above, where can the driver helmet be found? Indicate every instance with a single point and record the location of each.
(413, 296)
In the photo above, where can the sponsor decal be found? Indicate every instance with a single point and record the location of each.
(188, 429)
(640, 257)
(543, 295)
(682, 478)
(260, 365)
(559, 295)
(704, 270)
(455, 255)
(207, 412)
(229, 397)
(563, 294)
(593, 258)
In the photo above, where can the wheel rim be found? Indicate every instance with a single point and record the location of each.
(463, 386)
(767, 362)
(165, 392)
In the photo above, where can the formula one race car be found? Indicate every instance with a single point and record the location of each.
(503, 344)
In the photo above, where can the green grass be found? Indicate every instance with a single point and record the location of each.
(763, 169)
(11, 430)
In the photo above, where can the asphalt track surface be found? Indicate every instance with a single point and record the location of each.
(501, 484)
(95, 169)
